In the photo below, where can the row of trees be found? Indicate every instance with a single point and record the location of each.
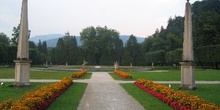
(102, 46)
(165, 45)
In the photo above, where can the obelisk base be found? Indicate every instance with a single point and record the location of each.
(187, 76)
(22, 73)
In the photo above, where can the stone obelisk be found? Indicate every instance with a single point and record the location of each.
(22, 63)
(187, 64)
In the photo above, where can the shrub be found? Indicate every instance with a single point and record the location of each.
(123, 74)
(79, 74)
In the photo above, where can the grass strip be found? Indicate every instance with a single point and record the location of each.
(8, 73)
(148, 101)
(16, 93)
(172, 75)
(70, 99)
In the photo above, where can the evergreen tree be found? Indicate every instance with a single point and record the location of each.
(44, 48)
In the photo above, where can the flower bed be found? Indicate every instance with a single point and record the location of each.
(79, 74)
(177, 99)
(39, 99)
(123, 74)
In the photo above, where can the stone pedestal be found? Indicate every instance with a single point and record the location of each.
(22, 73)
(187, 76)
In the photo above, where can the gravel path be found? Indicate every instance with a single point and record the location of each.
(104, 93)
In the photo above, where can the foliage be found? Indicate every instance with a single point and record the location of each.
(32, 45)
(4, 46)
(206, 17)
(15, 34)
(3, 53)
(157, 57)
(4, 39)
(177, 99)
(101, 42)
(208, 55)
(133, 52)
(16, 30)
(66, 50)
(174, 57)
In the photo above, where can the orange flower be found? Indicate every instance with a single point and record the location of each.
(123, 74)
(32, 99)
(79, 74)
(180, 97)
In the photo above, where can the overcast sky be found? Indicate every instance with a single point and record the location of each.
(138, 17)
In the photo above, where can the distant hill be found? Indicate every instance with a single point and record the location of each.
(53, 42)
(53, 38)
(125, 38)
(36, 39)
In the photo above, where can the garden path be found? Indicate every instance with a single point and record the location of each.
(104, 93)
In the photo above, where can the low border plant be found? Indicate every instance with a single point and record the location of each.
(39, 99)
(79, 74)
(175, 98)
(123, 74)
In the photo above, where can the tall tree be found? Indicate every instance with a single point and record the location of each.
(44, 48)
(59, 50)
(15, 34)
(70, 48)
(39, 46)
(207, 28)
(134, 50)
(32, 45)
(100, 42)
(4, 43)
(4, 39)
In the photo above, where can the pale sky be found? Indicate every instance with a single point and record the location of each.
(138, 17)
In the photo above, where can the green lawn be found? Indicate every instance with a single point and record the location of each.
(8, 73)
(173, 75)
(148, 101)
(15, 93)
(70, 99)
